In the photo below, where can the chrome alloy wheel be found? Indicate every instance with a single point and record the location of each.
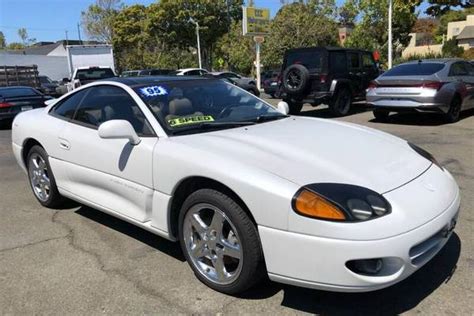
(212, 243)
(39, 177)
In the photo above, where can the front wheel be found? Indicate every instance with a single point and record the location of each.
(381, 115)
(341, 102)
(41, 178)
(454, 111)
(220, 242)
(295, 107)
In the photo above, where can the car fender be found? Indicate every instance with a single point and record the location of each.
(266, 195)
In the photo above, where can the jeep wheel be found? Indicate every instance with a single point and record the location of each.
(341, 102)
(295, 79)
(295, 107)
(381, 115)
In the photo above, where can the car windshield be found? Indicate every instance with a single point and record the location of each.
(415, 69)
(192, 106)
(44, 79)
(94, 73)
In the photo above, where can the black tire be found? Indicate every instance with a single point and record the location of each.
(55, 199)
(341, 101)
(454, 111)
(295, 79)
(252, 267)
(381, 115)
(294, 107)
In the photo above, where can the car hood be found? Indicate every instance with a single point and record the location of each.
(307, 150)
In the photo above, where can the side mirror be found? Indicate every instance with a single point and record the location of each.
(283, 107)
(119, 129)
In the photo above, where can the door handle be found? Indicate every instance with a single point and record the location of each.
(64, 144)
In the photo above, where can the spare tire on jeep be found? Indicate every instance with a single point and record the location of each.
(295, 79)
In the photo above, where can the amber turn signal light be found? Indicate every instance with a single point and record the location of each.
(313, 205)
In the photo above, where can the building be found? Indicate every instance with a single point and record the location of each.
(50, 57)
(461, 31)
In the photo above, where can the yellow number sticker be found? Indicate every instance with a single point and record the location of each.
(190, 120)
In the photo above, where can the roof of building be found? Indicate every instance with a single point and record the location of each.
(44, 48)
(466, 33)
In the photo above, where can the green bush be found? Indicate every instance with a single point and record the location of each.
(451, 49)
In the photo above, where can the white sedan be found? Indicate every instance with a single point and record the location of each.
(246, 189)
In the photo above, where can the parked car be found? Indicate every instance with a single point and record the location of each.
(433, 85)
(246, 189)
(17, 99)
(48, 86)
(147, 72)
(270, 83)
(333, 76)
(190, 72)
(85, 75)
(245, 83)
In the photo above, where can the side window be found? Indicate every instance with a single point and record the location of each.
(368, 61)
(338, 62)
(105, 103)
(353, 60)
(193, 73)
(469, 68)
(458, 69)
(68, 106)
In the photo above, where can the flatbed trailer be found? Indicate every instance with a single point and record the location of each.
(19, 76)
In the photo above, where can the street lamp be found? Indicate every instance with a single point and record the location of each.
(198, 41)
(390, 34)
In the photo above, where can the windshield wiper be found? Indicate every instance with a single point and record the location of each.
(211, 125)
(266, 118)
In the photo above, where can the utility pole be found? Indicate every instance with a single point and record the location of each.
(390, 4)
(198, 41)
(66, 37)
(79, 32)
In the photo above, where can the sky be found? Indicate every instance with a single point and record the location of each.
(48, 20)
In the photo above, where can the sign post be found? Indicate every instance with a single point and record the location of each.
(256, 23)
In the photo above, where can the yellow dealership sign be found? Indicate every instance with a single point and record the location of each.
(256, 21)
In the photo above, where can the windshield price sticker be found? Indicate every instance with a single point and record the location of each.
(190, 120)
(153, 91)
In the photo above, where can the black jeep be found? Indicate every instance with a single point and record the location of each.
(329, 75)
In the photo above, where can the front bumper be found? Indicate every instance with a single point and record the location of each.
(303, 259)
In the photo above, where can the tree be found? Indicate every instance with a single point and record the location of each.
(3, 42)
(451, 49)
(170, 22)
(15, 46)
(374, 17)
(425, 25)
(298, 25)
(438, 8)
(98, 19)
(235, 50)
(347, 14)
(25, 39)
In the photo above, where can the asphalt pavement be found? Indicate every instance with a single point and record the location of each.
(81, 261)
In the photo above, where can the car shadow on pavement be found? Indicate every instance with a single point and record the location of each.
(324, 112)
(394, 300)
(421, 119)
(161, 244)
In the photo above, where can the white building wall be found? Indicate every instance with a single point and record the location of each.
(55, 67)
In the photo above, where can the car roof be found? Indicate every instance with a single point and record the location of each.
(327, 48)
(153, 80)
(434, 60)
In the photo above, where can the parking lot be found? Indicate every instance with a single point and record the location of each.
(81, 261)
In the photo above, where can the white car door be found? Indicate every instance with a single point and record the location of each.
(110, 173)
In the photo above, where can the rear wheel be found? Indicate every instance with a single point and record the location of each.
(220, 242)
(295, 107)
(41, 178)
(454, 110)
(381, 115)
(341, 102)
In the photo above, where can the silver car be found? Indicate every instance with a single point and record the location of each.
(432, 85)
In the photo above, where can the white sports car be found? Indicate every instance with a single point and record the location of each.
(246, 189)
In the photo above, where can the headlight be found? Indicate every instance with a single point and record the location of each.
(340, 202)
(425, 154)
